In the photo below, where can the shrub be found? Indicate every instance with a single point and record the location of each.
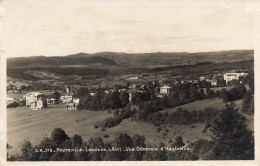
(11, 105)
(106, 136)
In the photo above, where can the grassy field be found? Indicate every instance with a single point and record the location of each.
(26, 124)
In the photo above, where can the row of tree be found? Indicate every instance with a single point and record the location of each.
(103, 101)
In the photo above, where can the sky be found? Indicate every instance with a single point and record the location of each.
(63, 27)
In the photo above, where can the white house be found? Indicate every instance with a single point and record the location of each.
(214, 83)
(67, 97)
(165, 89)
(202, 78)
(233, 76)
(73, 105)
(39, 104)
(32, 97)
(51, 101)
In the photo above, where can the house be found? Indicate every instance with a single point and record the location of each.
(92, 93)
(133, 78)
(122, 90)
(39, 104)
(132, 86)
(202, 78)
(67, 97)
(165, 89)
(214, 83)
(51, 101)
(233, 76)
(72, 105)
(32, 97)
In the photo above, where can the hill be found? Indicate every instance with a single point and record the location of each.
(77, 59)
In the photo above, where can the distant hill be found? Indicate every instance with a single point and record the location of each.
(134, 59)
(150, 60)
(77, 59)
(104, 63)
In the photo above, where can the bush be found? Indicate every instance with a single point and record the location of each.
(106, 136)
(11, 105)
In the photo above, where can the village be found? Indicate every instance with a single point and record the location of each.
(66, 94)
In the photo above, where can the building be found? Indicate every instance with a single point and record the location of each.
(39, 104)
(51, 101)
(214, 83)
(165, 89)
(233, 76)
(32, 97)
(72, 105)
(94, 93)
(202, 78)
(67, 97)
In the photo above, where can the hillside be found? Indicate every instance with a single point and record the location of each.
(161, 59)
(104, 63)
(77, 59)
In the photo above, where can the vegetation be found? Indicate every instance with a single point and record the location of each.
(248, 104)
(20, 74)
(231, 140)
(118, 117)
(78, 59)
(103, 101)
(181, 116)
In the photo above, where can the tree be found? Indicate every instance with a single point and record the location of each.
(165, 101)
(76, 141)
(224, 94)
(56, 95)
(27, 151)
(123, 141)
(233, 141)
(115, 100)
(99, 144)
(124, 97)
(248, 104)
(138, 141)
(58, 136)
(178, 142)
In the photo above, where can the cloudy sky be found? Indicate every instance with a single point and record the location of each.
(62, 27)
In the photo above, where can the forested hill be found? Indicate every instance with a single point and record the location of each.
(77, 59)
(134, 59)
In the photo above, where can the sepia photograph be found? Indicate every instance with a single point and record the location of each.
(128, 80)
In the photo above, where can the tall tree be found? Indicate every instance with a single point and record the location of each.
(233, 141)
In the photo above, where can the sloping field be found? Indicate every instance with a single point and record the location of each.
(26, 124)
